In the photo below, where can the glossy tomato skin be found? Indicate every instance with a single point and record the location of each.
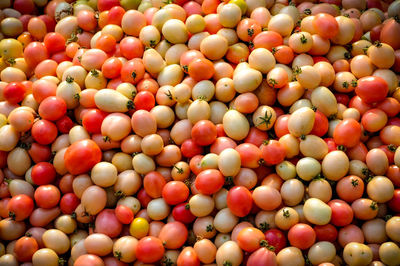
(273, 153)
(209, 181)
(321, 124)
(44, 132)
(144, 100)
(64, 124)
(326, 232)
(14, 92)
(93, 119)
(204, 132)
(239, 201)
(81, 156)
(262, 256)
(182, 213)
(39, 153)
(189, 148)
(301, 236)
(124, 214)
(149, 249)
(43, 173)
(52, 108)
(47, 196)
(276, 238)
(342, 213)
(68, 203)
(25, 247)
(347, 133)
(20, 207)
(372, 89)
(394, 203)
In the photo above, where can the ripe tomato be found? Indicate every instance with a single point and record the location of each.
(54, 42)
(68, 203)
(372, 89)
(175, 192)
(92, 120)
(321, 124)
(14, 92)
(189, 148)
(342, 214)
(149, 249)
(43, 173)
(39, 153)
(52, 108)
(182, 213)
(47, 196)
(144, 100)
(350, 188)
(124, 214)
(44, 132)
(81, 156)
(20, 207)
(209, 181)
(301, 236)
(132, 71)
(326, 232)
(204, 132)
(276, 238)
(273, 152)
(347, 133)
(239, 201)
(173, 235)
(250, 239)
(64, 124)
(153, 184)
(25, 247)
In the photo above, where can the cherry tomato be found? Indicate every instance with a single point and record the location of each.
(239, 201)
(81, 156)
(276, 238)
(204, 133)
(43, 173)
(301, 236)
(20, 207)
(149, 249)
(209, 181)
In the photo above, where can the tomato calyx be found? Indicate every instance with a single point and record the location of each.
(354, 182)
(167, 261)
(307, 11)
(228, 182)
(286, 213)
(264, 226)
(117, 255)
(303, 39)
(209, 228)
(119, 194)
(392, 147)
(27, 234)
(266, 119)
(12, 215)
(264, 243)
(69, 79)
(341, 148)
(130, 105)
(227, 263)
(94, 73)
(373, 205)
(180, 170)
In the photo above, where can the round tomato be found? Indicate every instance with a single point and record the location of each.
(372, 89)
(20, 207)
(209, 181)
(43, 173)
(149, 249)
(276, 238)
(204, 132)
(342, 214)
(81, 156)
(239, 201)
(301, 236)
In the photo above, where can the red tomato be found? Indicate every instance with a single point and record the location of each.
(301, 236)
(182, 213)
(54, 42)
(153, 184)
(204, 132)
(239, 201)
(34, 53)
(273, 153)
(276, 238)
(103, 5)
(175, 192)
(350, 188)
(107, 223)
(81, 156)
(39, 153)
(250, 239)
(149, 249)
(189, 148)
(111, 68)
(64, 124)
(144, 100)
(25, 247)
(188, 257)
(326, 232)
(347, 133)
(92, 120)
(44, 132)
(372, 89)
(52, 108)
(256, 136)
(20, 207)
(131, 47)
(209, 181)
(250, 155)
(124, 214)
(68, 203)
(43, 173)
(132, 71)
(321, 124)
(342, 213)
(14, 92)
(47, 196)
(173, 235)
(394, 203)
(262, 256)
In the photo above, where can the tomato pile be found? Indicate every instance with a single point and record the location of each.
(203, 132)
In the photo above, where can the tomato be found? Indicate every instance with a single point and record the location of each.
(47, 196)
(68, 203)
(81, 156)
(175, 192)
(173, 235)
(204, 132)
(276, 238)
(262, 256)
(25, 247)
(52, 108)
(301, 236)
(189, 257)
(44, 131)
(111, 68)
(326, 232)
(149, 249)
(93, 119)
(20, 207)
(106, 42)
(132, 71)
(14, 92)
(144, 100)
(209, 181)
(54, 42)
(131, 47)
(239, 201)
(347, 133)
(250, 155)
(250, 239)
(350, 188)
(64, 124)
(43, 173)
(153, 184)
(190, 149)
(39, 153)
(273, 152)
(182, 213)
(372, 89)
(124, 214)
(342, 214)
(321, 124)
